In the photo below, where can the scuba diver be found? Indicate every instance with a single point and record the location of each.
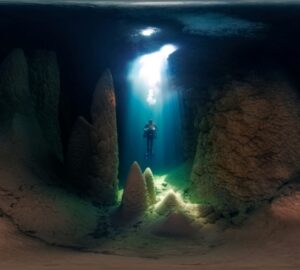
(150, 131)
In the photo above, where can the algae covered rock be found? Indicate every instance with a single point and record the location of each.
(134, 200)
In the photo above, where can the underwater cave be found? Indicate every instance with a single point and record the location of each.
(154, 135)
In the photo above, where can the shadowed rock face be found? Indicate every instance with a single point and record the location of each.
(14, 87)
(28, 193)
(29, 103)
(92, 159)
(249, 143)
(45, 92)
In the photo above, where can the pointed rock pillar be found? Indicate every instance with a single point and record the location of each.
(134, 200)
(148, 175)
(104, 138)
(92, 160)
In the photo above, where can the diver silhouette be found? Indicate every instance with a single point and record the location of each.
(150, 131)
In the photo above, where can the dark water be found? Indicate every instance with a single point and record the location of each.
(88, 40)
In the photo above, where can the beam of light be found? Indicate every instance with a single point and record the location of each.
(151, 68)
(148, 31)
(151, 96)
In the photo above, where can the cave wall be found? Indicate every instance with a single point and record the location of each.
(34, 193)
(249, 142)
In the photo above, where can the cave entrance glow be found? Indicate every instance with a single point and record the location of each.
(150, 96)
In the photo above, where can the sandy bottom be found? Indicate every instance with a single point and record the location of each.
(269, 240)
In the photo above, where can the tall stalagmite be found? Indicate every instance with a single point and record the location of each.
(149, 178)
(95, 147)
(134, 200)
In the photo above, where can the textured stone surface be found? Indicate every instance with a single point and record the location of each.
(149, 178)
(105, 160)
(79, 153)
(14, 86)
(45, 90)
(92, 160)
(176, 224)
(29, 194)
(249, 143)
(170, 204)
(134, 200)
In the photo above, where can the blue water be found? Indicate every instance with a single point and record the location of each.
(166, 114)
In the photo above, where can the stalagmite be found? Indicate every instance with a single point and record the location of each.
(92, 160)
(134, 200)
(148, 175)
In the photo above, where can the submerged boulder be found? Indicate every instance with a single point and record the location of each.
(249, 143)
(148, 175)
(92, 160)
(134, 200)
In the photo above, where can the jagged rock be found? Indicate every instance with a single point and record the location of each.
(249, 143)
(45, 90)
(134, 200)
(148, 175)
(92, 160)
(176, 224)
(170, 204)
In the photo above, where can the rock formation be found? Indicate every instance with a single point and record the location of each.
(29, 194)
(176, 224)
(45, 91)
(249, 143)
(104, 163)
(14, 87)
(134, 200)
(95, 147)
(148, 175)
(79, 153)
(169, 204)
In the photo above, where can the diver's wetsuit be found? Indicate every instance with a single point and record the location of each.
(150, 130)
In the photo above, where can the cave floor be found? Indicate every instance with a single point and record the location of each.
(269, 240)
